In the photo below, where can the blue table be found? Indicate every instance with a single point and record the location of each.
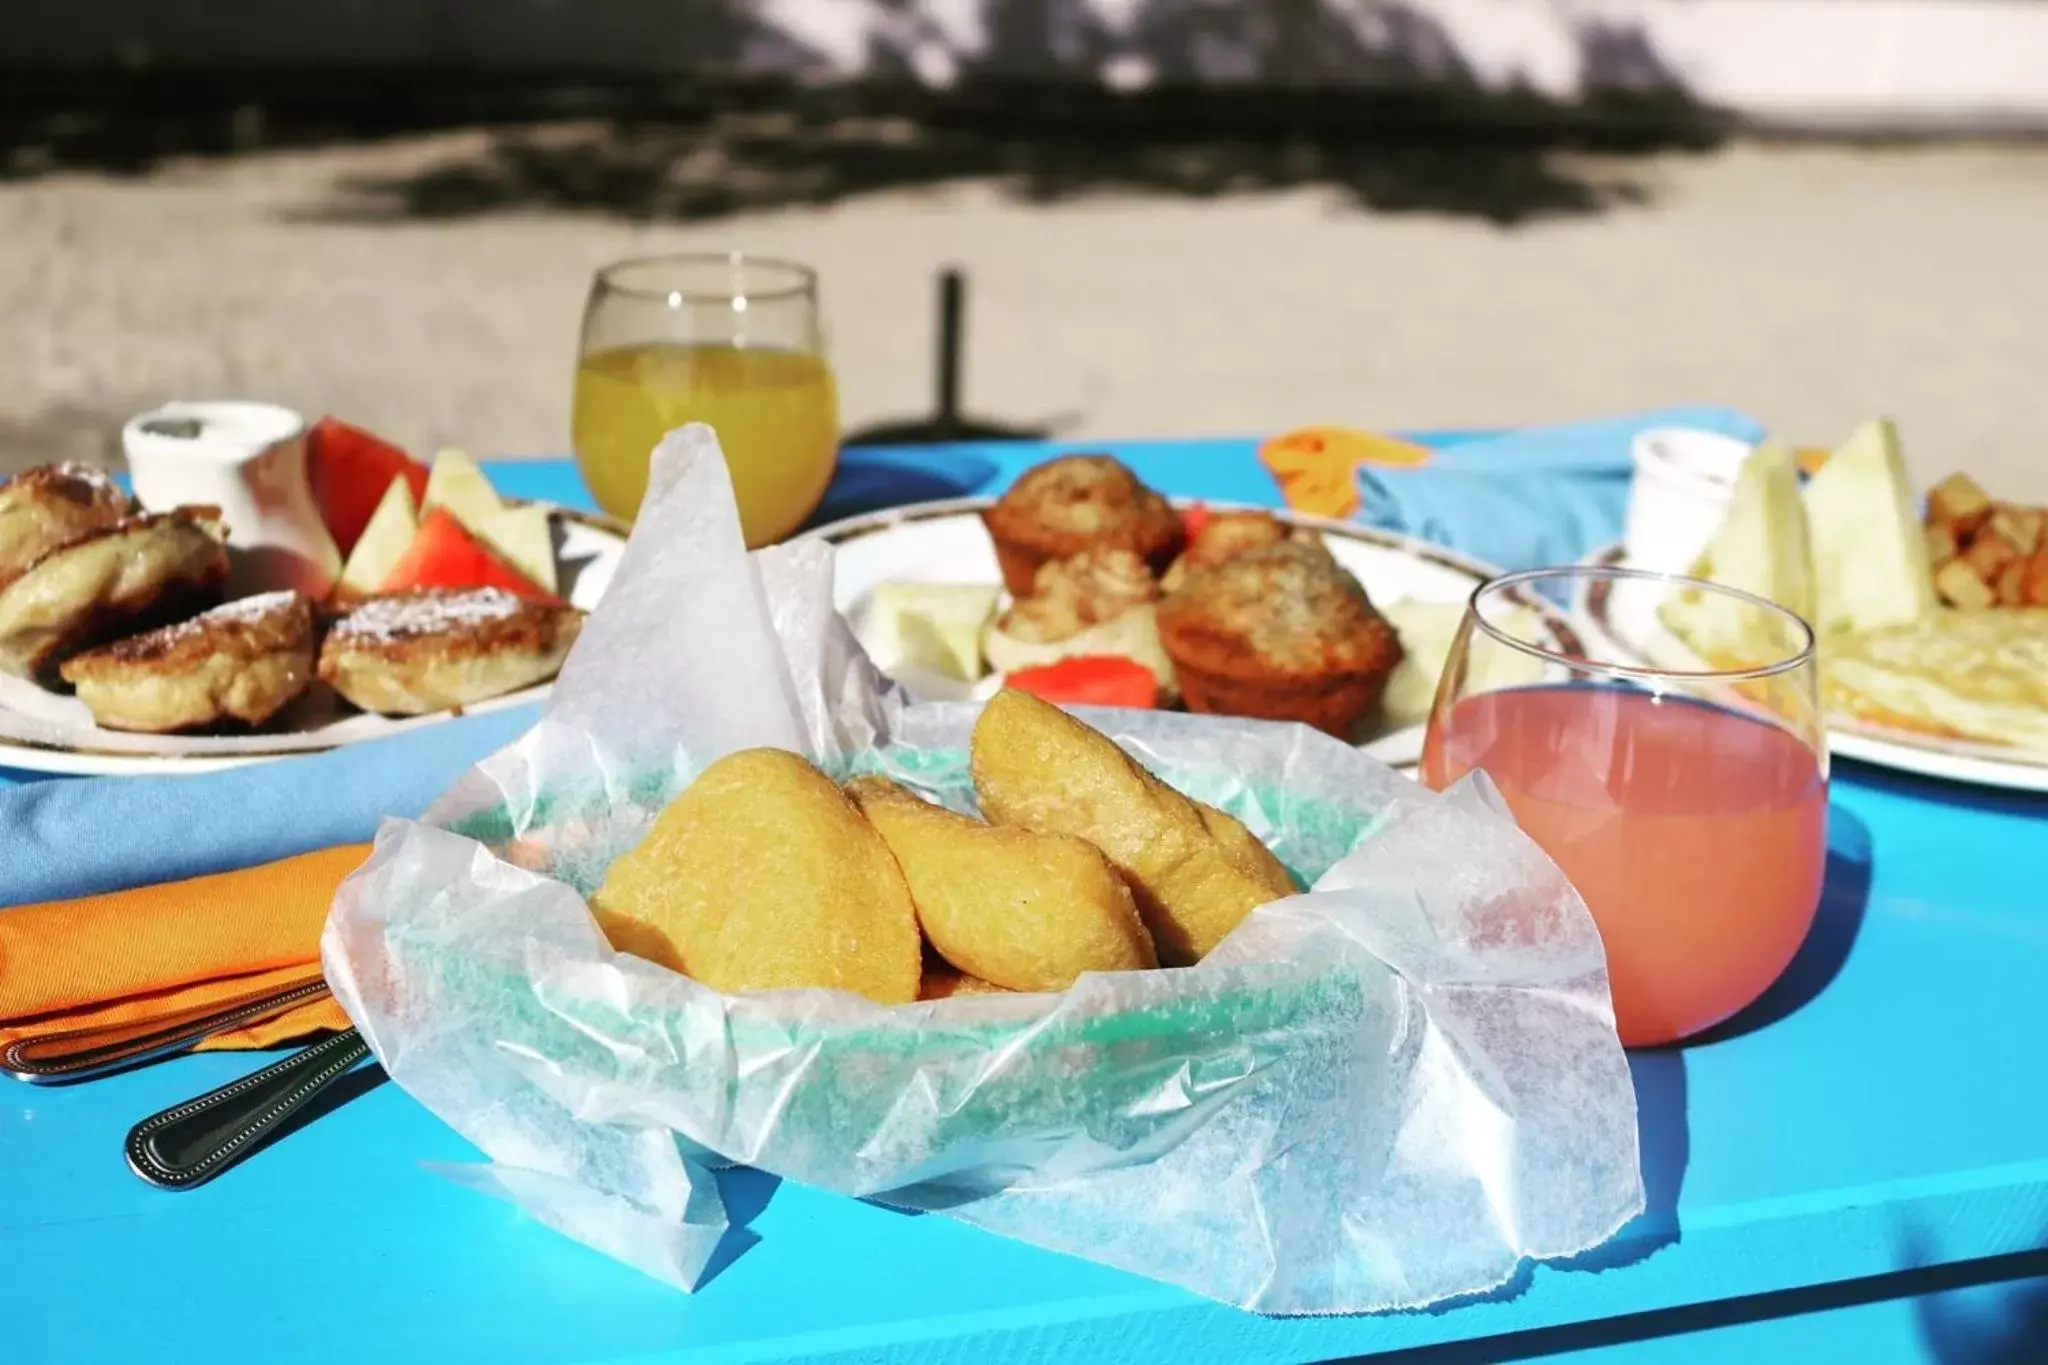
(1855, 1170)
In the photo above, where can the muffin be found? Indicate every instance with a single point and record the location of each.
(1078, 502)
(1281, 632)
(1226, 535)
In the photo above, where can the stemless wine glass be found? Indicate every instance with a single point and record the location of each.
(1672, 763)
(733, 341)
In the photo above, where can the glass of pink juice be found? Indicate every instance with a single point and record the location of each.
(1686, 799)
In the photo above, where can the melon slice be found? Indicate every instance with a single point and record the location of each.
(349, 470)
(384, 541)
(1870, 558)
(1761, 548)
(524, 538)
(458, 484)
(445, 554)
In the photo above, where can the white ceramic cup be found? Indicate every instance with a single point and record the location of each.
(1684, 479)
(249, 460)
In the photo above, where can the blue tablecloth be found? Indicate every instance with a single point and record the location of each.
(1867, 1139)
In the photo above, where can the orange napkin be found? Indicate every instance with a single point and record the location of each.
(159, 952)
(1315, 466)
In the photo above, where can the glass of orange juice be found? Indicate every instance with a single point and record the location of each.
(732, 341)
(1685, 798)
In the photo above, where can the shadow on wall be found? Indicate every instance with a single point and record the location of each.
(1374, 100)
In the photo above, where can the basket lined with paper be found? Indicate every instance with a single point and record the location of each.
(1384, 1092)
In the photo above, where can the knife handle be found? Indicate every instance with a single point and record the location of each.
(81, 1054)
(193, 1142)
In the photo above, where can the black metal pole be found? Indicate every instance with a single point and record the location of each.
(951, 304)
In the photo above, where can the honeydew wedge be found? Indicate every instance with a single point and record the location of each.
(522, 535)
(1763, 548)
(1870, 563)
(933, 626)
(384, 540)
(1427, 631)
(458, 484)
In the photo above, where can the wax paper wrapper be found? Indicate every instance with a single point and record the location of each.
(1382, 1093)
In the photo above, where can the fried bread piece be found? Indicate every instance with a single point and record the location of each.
(1018, 909)
(242, 661)
(411, 653)
(135, 575)
(762, 876)
(52, 506)
(942, 981)
(1194, 871)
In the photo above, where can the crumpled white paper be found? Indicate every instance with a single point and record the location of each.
(1381, 1094)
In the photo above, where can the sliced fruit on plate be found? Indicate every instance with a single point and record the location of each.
(1870, 559)
(523, 537)
(1427, 631)
(1090, 680)
(1761, 548)
(1132, 634)
(446, 554)
(934, 626)
(350, 470)
(458, 484)
(384, 541)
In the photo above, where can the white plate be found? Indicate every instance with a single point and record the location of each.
(1617, 620)
(945, 542)
(43, 731)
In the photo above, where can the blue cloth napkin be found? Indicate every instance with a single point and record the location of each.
(1531, 498)
(79, 838)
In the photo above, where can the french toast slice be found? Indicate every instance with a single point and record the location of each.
(52, 506)
(410, 653)
(243, 661)
(141, 572)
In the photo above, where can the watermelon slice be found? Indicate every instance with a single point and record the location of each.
(1090, 680)
(350, 470)
(445, 554)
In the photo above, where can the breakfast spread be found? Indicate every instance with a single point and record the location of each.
(446, 596)
(1931, 623)
(1112, 597)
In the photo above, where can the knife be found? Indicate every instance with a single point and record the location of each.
(84, 1053)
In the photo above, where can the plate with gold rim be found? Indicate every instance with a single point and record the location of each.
(46, 731)
(945, 542)
(1618, 623)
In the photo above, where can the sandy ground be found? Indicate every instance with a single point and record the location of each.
(1812, 286)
